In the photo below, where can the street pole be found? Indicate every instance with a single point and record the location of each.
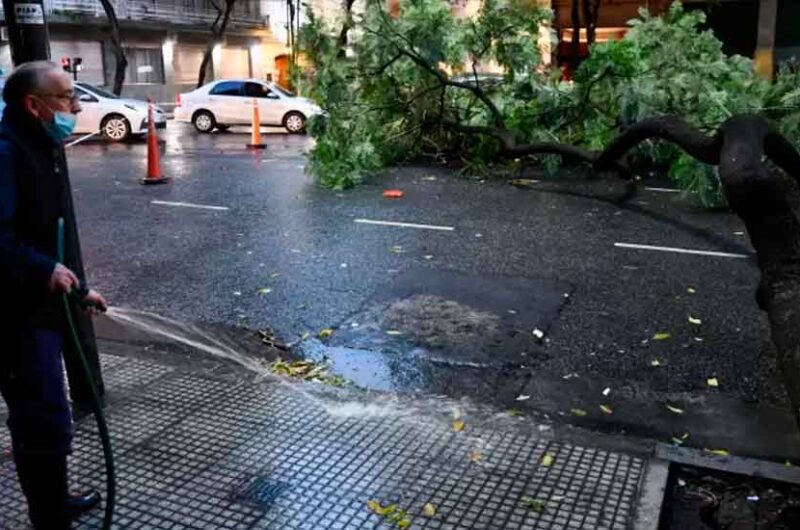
(27, 30)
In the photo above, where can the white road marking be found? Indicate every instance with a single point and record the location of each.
(190, 205)
(81, 139)
(681, 250)
(663, 190)
(405, 225)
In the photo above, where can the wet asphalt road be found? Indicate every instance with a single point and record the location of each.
(546, 255)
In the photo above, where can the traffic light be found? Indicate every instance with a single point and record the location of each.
(66, 64)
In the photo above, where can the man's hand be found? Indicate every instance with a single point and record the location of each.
(62, 280)
(98, 302)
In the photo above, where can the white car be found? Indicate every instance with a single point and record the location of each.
(224, 103)
(115, 117)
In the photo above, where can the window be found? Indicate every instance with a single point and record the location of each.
(227, 88)
(145, 66)
(257, 90)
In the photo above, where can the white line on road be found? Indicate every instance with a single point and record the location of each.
(190, 205)
(405, 225)
(81, 139)
(681, 250)
(663, 190)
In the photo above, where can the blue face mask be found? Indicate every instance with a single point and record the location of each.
(62, 125)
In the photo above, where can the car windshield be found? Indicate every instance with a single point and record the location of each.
(98, 91)
(282, 91)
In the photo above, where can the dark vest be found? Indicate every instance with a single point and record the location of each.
(43, 194)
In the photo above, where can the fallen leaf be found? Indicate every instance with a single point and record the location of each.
(578, 412)
(394, 194)
(661, 336)
(676, 410)
(458, 425)
(713, 381)
(606, 409)
(547, 459)
(522, 397)
(475, 456)
(429, 510)
(383, 511)
(718, 452)
(655, 362)
(537, 505)
(607, 391)
(264, 290)
(325, 333)
(695, 321)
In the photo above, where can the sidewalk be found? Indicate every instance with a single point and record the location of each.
(200, 444)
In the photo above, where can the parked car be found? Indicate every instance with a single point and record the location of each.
(117, 118)
(221, 104)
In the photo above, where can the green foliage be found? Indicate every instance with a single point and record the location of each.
(390, 95)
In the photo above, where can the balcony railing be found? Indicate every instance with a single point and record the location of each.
(186, 12)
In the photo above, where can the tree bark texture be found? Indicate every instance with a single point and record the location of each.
(116, 46)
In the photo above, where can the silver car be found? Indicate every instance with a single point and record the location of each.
(221, 104)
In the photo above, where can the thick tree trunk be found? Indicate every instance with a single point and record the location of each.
(217, 31)
(767, 201)
(116, 45)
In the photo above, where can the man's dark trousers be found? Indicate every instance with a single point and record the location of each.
(41, 425)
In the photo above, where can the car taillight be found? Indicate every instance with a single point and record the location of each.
(178, 100)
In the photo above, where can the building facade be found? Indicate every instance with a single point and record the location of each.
(164, 43)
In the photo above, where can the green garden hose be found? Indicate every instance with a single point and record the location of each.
(97, 407)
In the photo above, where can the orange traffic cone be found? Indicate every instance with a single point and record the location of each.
(255, 135)
(154, 174)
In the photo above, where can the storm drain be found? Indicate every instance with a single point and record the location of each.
(263, 492)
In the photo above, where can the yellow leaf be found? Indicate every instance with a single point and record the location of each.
(655, 362)
(676, 410)
(325, 333)
(547, 460)
(458, 425)
(429, 510)
(578, 412)
(713, 381)
(661, 336)
(718, 452)
(606, 409)
(475, 456)
(695, 321)
(383, 511)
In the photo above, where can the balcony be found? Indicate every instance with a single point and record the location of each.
(174, 12)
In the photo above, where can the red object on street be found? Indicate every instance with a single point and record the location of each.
(394, 194)
(154, 174)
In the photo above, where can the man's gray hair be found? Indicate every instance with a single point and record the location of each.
(26, 79)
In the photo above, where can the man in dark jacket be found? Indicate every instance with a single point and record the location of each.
(34, 193)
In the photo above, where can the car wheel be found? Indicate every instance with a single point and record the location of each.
(116, 128)
(204, 121)
(294, 122)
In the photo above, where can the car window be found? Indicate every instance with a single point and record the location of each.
(227, 88)
(257, 90)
